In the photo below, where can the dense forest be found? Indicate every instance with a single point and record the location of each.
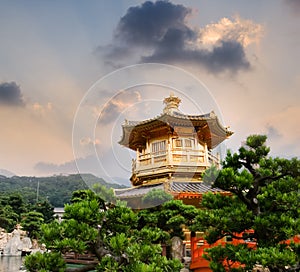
(56, 189)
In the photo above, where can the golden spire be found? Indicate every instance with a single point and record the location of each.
(172, 103)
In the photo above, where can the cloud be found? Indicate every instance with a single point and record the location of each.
(273, 132)
(159, 32)
(88, 164)
(115, 106)
(284, 131)
(10, 94)
(294, 5)
(42, 109)
(229, 55)
(148, 24)
(240, 30)
(50, 168)
(87, 141)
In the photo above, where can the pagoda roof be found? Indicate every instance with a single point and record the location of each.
(137, 191)
(175, 187)
(174, 114)
(192, 187)
(207, 126)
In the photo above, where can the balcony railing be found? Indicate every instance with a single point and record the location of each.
(177, 156)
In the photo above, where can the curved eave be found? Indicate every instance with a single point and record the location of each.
(130, 133)
(218, 132)
(207, 126)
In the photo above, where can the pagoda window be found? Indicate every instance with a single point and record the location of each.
(158, 146)
(188, 143)
(185, 143)
(178, 142)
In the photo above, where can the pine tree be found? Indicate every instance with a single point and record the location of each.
(264, 205)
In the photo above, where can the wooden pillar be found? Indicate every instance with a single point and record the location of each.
(206, 154)
(169, 150)
(137, 162)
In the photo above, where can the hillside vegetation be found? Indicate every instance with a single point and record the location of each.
(56, 189)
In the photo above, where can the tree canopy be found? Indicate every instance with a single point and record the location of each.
(15, 209)
(55, 189)
(264, 205)
(113, 235)
(171, 217)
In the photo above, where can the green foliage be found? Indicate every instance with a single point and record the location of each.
(46, 209)
(32, 222)
(108, 264)
(17, 203)
(118, 243)
(105, 193)
(264, 198)
(56, 189)
(154, 234)
(46, 262)
(8, 218)
(86, 211)
(11, 208)
(210, 175)
(140, 255)
(156, 197)
(120, 219)
(69, 235)
(229, 255)
(277, 258)
(170, 217)
(111, 234)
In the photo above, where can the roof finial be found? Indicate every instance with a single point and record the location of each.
(172, 102)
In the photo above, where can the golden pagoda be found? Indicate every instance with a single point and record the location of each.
(172, 152)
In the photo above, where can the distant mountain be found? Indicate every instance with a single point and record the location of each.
(120, 181)
(6, 173)
(57, 189)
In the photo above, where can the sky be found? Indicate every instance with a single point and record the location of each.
(71, 72)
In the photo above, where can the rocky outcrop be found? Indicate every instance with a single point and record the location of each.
(176, 248)
(13, 244)
(260, 268)
(4, 237)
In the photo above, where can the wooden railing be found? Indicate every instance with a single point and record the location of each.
(177, 156)
(76, 258)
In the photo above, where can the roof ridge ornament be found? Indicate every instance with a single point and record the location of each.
(172, 103)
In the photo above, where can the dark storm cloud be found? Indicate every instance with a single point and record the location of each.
(147, 24)
(294, 5)
(157, 32)
(229, 55)
(10, 94)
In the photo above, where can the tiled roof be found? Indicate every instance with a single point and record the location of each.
(137, 191)
(175, 187)
(192, 187)
(177, 114)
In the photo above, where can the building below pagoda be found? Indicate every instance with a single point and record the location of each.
(172, 152)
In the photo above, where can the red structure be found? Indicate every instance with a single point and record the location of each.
(199, 245)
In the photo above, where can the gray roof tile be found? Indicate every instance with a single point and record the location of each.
(137, 191)
(192, 187)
